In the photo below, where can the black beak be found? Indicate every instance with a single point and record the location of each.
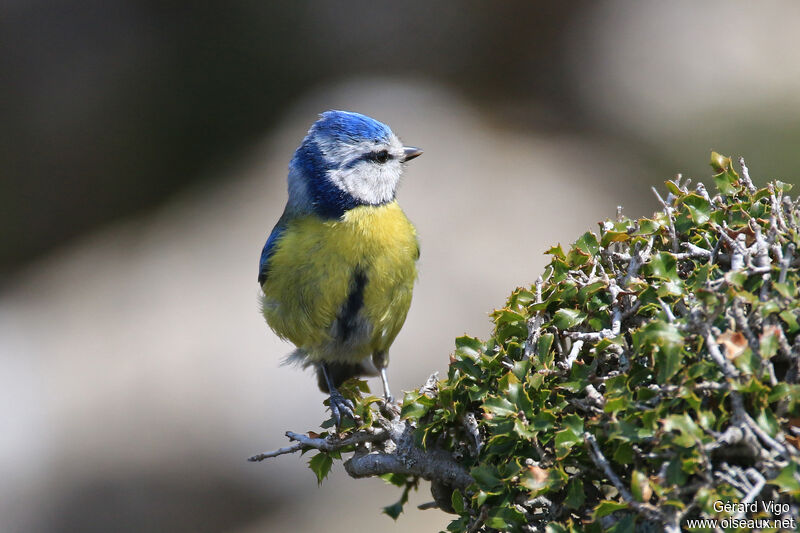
(410, 152)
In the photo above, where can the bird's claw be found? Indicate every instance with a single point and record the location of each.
(340, 406)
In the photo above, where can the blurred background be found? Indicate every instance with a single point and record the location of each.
(143, 155)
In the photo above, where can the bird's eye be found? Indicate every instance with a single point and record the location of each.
(382, 156)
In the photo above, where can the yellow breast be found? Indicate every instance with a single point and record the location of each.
(314, 271)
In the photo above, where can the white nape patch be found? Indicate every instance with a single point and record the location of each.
(366, 180)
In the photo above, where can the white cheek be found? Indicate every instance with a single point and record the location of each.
(369, 182)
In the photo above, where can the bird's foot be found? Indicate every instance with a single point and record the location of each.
(340, 406)
(389, 409)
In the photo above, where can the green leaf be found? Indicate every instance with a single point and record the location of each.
(766, 419)
(614, 236)
(556, 251)
(626, 524)
(781, 186)
(623, 453)
(675, 475)
(787, 479)
(321, 464)
(568, 318)
(574, 423)
(575, 494)
(588, 290)
(785, 289)
(639, 485)
(415, 405)
(791, 321)
(606, 507)
(468, 346)
(726, 179)
(664, 265)
(398, 480)
(769, 342)
(393, 510)
(588, 243)
(486, 478)
(507, 316)
(699, 208)
(689, 431)
(497, 522)
(543, 421)
(499, 406)
(564, 441)
(647, 226)
(669, 360)
(457, 501)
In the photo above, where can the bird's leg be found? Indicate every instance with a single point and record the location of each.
(386, 392)
(381, 361)
(339, 404)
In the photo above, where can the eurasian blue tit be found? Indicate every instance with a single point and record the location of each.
(339, 267)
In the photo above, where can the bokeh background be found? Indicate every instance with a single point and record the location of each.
(143, 154)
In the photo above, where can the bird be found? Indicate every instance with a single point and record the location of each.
(338, 270)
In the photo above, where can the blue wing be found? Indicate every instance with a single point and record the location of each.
(269, 249)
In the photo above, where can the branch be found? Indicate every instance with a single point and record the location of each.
(668, 210)
(329, 444)
(402, 456)
(601, 462)
(746, 176)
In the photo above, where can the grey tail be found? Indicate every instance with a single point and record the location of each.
(298, 357)
(339, 373)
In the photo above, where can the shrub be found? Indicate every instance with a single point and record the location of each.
(650, 372)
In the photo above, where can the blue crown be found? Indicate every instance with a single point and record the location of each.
(349, 127)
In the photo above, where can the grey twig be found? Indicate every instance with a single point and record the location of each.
(765, 438)
(740, 318)
(761, 258)
(471, 426)
(746, 176)
(594, 396)
(694, 252)
(476, 525)
(427, 505)
(328, 444)
(756, 488)
(573, 354)
(776, 208)
(738, 250)
(702, 191)
(738, 256)
(668, 210)
(601, 462)
(616, 319)
(535, 324)
(296, 447)
(667, 311)
(431, 387)
(728, 369)
(785, 262)
(638, 258)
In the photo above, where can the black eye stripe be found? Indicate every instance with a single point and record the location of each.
(381, 156)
